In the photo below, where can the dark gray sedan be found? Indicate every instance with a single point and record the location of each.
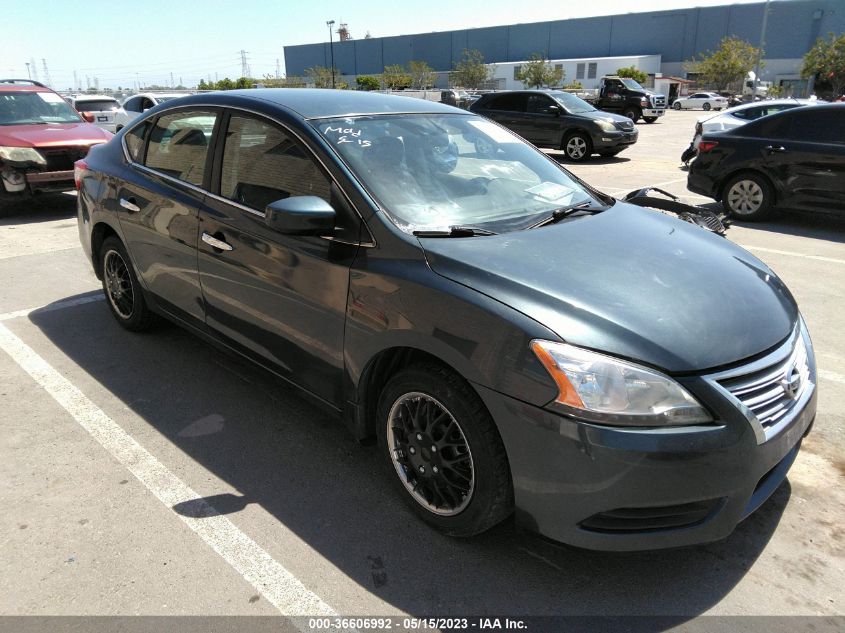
(519, 343)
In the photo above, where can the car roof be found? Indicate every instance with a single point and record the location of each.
(792, 112)
(319, 103)
(10, 87)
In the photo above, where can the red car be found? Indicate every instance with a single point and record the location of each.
(41, 136)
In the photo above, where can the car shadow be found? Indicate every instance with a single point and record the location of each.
(818, 226)
(41, 208)
(301, 466)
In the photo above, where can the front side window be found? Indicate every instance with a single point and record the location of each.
(540, 104)
(35, 108)
(431, 172)
(262, 164)
(179, 144)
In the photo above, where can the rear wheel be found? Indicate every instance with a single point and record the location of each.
(632, 113)
(121, 287)
(748, 197)
(443, 451)
(577, 146)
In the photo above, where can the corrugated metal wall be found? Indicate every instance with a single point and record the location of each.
(677, 35)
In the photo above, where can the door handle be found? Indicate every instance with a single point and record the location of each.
(773, 149)
(130, 205)
(213, 242)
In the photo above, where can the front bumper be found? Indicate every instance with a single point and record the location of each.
(615, 139)
(652, 112)
(611, 488)
(50, 180)
(700, 182)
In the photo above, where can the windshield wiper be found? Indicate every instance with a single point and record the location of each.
(455, 231)
(563, 212)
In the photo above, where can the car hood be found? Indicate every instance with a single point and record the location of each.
(52, 135)
(630, 282)
(600, 115)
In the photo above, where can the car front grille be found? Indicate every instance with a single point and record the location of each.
(625, 126)
(772, 391)
(658, 101)
(62, 158)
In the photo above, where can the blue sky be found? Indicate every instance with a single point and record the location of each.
(146, 40)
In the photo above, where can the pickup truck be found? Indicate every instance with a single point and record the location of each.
(626, 97)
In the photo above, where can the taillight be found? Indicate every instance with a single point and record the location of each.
(706, 146)
(80, 168)
(88, 116)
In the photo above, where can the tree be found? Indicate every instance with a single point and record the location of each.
(368, 82)
(422, 75)
(539, 73)
(471, 71)
(826, 62)
(321, 77)
(395, 76)
(632, 73)
(731, 62)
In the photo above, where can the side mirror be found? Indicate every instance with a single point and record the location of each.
(554, 109)
(300, 215)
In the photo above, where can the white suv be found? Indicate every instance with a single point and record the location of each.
(101, 110)
(136, 104)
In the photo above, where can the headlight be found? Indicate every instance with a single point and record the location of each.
(21, 155)
(607, 126)
(612, 391)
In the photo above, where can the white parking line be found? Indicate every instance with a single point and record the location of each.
(59, 305)
(262, 571)
(792, 254)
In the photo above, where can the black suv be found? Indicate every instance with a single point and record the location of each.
(559, 120)
(794, 159)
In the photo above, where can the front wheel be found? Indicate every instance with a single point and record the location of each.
(632, 113)
(121, 287)
(649, 119)
(577, 146)
(676, 105)
(443, 451)
(706, 106)
(748, 197)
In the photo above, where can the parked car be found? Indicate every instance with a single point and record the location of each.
(740, 115)
(137, 104)
(100, 110)
(457, 98)
(794, 159)
(703, 100)
(516, 340)
(41, 136)
(558, 120)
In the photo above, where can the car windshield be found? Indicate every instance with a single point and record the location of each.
(572, 104)
(31, 108)
(630, 84)
(430, 172)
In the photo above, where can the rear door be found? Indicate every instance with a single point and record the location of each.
(159, 204)
(279, 299)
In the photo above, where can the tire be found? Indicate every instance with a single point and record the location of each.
(120, 285)
(632, 113)
(706, 106)
(748, 196)
(649, 119)
(676, 105)
(463, 487)
(577, 146)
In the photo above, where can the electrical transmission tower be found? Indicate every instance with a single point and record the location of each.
(245, 71)
(34, 68)
(47, 79)
(277, 68)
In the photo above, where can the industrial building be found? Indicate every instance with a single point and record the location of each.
(657, 42)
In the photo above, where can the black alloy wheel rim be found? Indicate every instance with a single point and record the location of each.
(430, 453)
(118, 284)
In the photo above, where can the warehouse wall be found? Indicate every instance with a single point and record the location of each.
(676, 35)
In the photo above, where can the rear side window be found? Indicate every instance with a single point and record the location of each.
(179, 143)
(262, 164)
(513, 102)
(819, 126)
(134, 140)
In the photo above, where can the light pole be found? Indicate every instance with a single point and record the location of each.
(760, 51)
(330, 24)
(29, 74)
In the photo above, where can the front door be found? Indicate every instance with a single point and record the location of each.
(279, 299)
(544, 115)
